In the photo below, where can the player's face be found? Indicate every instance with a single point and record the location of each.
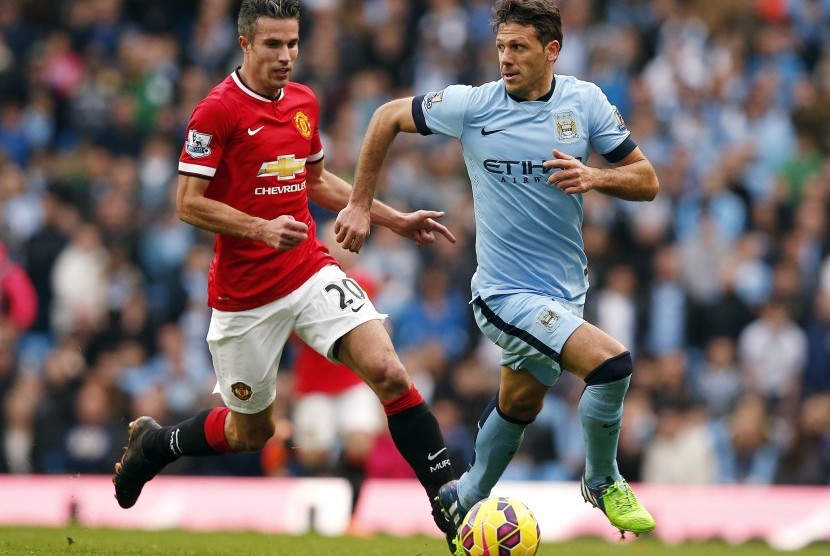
(269, 57)
(526, 64)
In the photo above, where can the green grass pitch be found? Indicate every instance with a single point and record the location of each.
(105, 542)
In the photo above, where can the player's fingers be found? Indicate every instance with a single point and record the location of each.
(557, 178)
(355, 244)
(441, 229)
(427, 214)
(423, 237)
(554, 164)
(560, 155)
(297, 226)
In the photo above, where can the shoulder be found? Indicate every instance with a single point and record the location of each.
(574, 85)
(300, 91)
(470, 96)
(219, 100)
(488, 90)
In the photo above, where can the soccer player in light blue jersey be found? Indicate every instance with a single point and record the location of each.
(526, 139)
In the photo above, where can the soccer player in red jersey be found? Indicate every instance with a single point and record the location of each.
(251, 160)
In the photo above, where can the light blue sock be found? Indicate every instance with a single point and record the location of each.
(600, 410)
(496, 444)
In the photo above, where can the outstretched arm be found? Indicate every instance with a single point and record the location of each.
(332, 192)
(354, 221)
(632, 179)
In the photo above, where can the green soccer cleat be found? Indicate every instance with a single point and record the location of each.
(618, 503)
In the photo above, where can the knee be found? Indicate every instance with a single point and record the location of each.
(388, 377)
(519, 407)
(611, 370)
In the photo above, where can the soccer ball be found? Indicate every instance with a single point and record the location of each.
(499, 526)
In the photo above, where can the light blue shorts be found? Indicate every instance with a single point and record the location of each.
(530, 329)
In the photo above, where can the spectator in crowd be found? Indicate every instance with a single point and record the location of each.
(718, 382)
(682, 450)
(18, 299)
(747, 443)
(772, 351)
(805, 459)
(817, 368)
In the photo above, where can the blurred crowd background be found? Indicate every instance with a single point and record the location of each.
(720, 287)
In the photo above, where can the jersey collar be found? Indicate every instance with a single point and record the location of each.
(250, 92)
(544, 98)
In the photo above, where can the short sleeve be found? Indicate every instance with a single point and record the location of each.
(207, 132)
(442, 112)
(608, 132)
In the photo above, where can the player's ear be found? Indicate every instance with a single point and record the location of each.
(552, 50)
(244, 43)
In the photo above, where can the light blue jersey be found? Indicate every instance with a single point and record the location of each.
(528, 233)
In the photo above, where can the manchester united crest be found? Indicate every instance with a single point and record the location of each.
(242, 391)
(302, 124)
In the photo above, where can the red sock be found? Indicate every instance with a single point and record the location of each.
(408, 399)
(215, 429)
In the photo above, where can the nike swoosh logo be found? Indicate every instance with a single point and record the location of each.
(485, 133)
(431, 457)
(255, 131)
(607, 426)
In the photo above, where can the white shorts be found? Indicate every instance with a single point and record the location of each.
(246, 346)
(321, 419)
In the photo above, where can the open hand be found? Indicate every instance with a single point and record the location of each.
(572, 177)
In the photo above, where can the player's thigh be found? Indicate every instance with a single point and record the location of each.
(328, 306)
(316, 422)
(358, 410)
(588, 348)
(246, 347)
(531, 329)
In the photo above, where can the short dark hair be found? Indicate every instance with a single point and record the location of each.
(542, 15)
(251, 10)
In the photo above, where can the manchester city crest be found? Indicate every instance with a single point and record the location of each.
(567, 130)
(548, 318)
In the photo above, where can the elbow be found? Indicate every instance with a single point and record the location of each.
(184, 210)
(652, 190)
(651, 185)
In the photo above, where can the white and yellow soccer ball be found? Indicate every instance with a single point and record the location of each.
(499, 526)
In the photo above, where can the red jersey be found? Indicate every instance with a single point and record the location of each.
(254, 151)
(315, 373)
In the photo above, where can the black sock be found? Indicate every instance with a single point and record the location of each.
(187, 438)
(355, 473)
(417, 436)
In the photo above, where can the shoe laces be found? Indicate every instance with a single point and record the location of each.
(624, 501)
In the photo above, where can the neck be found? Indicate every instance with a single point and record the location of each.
(541, 93)
(247, 78)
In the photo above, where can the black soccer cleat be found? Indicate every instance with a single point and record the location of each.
(134, 470)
